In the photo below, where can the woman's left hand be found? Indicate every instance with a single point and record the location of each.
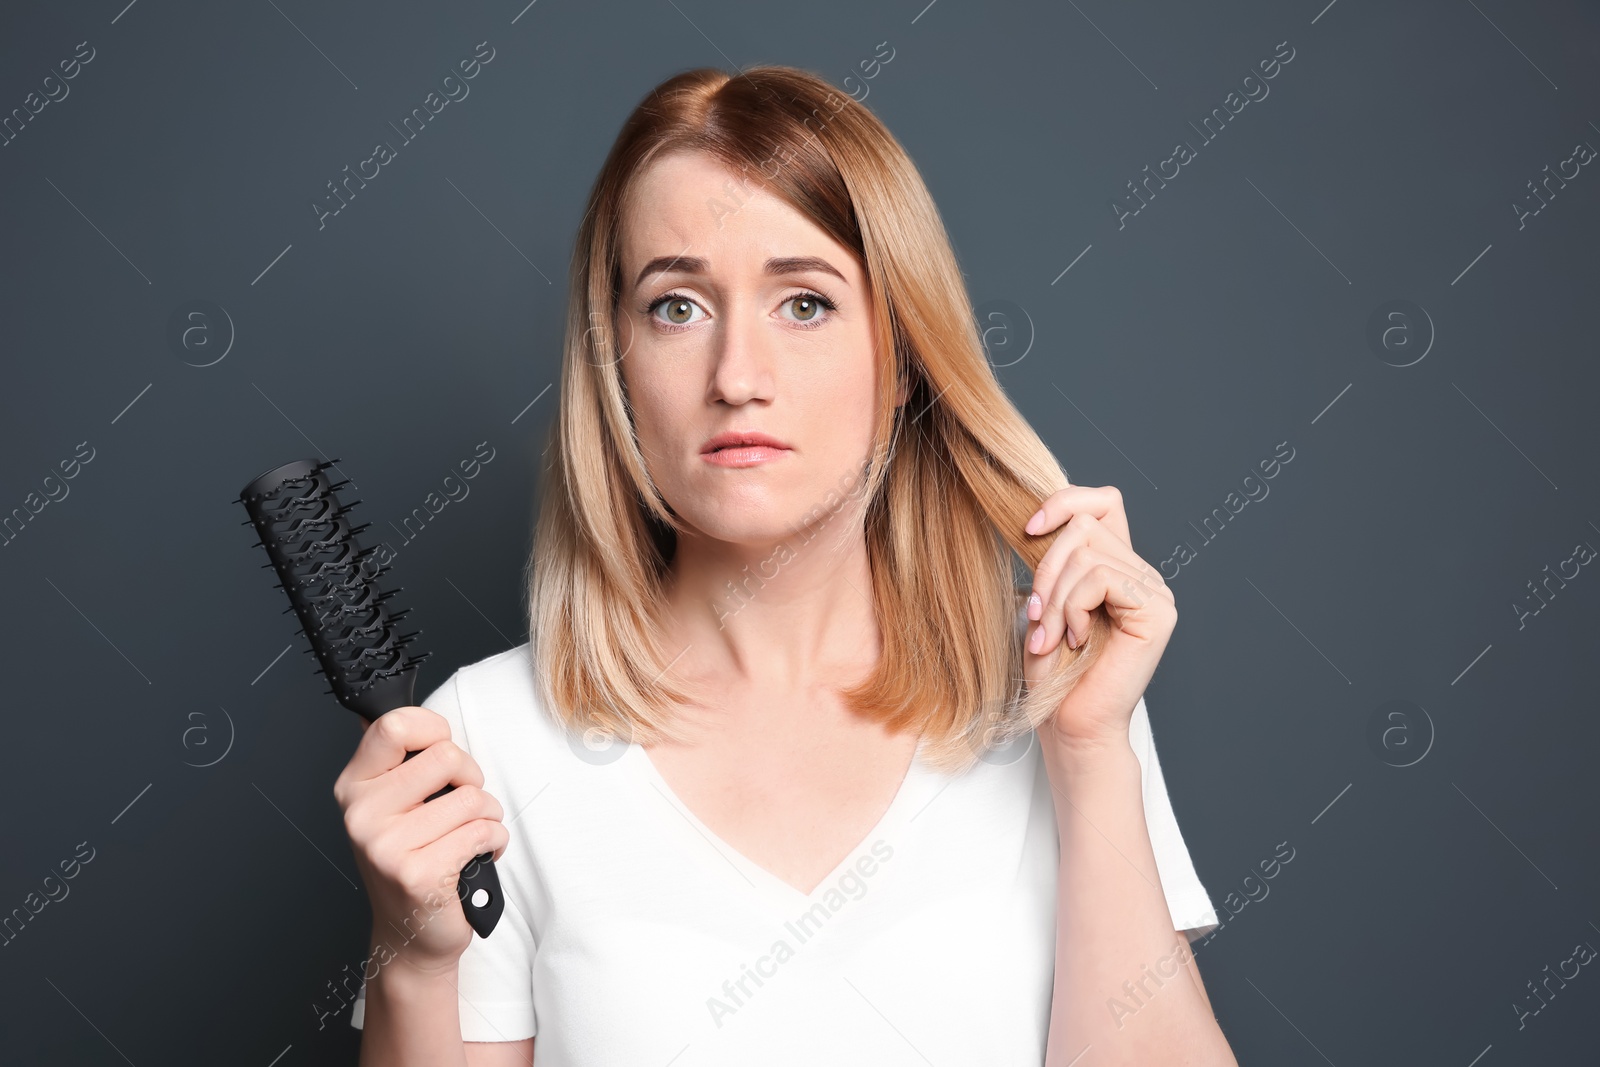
(1092, 563)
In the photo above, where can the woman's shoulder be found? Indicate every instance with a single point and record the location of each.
(494, 705)
(507, 674)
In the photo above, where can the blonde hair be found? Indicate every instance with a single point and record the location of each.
(955, 474)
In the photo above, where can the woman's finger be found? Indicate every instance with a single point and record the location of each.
(428, 822)
(1135, 606)
(1086, 531)
(1063, 609)
(1076, 532)
(1059, 615)
(1104, 502)
(440, 764)
(397, 732)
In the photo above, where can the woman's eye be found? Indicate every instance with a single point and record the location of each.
(809, 307)
(678, 309)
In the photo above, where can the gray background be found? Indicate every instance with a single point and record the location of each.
(1444, 844)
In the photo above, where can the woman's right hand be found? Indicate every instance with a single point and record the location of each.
(411, 853)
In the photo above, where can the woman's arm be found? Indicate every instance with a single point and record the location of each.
(500, 1053)
(1118, 998)
(1123, 994)
(412, 1017)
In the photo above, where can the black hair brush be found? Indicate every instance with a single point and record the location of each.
(332, 587)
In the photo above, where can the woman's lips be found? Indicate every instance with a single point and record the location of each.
(742, 448)
(743, 455)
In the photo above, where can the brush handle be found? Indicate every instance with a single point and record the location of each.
(478, 882)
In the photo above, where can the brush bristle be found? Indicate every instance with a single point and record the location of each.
(332, 586)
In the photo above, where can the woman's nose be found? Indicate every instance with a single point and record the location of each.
(741, 358)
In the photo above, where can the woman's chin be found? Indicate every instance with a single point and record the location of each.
(748, 524)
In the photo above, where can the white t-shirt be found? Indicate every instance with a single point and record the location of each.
(633, 935)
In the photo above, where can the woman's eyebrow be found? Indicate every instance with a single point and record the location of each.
(777, 265)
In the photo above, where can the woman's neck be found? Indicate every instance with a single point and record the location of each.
(790, 614)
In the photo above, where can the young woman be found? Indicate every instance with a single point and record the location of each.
(789, 770)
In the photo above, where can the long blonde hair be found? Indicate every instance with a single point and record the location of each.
(955, 474)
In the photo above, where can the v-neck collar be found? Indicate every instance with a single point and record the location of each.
(788, 900)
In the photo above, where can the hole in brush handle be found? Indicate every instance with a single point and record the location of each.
(479, 891)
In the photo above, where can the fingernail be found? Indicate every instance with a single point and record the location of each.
(1036, 641)
(1035, 607)
(1036, 521)
(1072, 638)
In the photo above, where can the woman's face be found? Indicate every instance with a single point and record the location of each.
(730, 329)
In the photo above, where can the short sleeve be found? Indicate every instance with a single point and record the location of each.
(496, 972)
(1187, 899)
